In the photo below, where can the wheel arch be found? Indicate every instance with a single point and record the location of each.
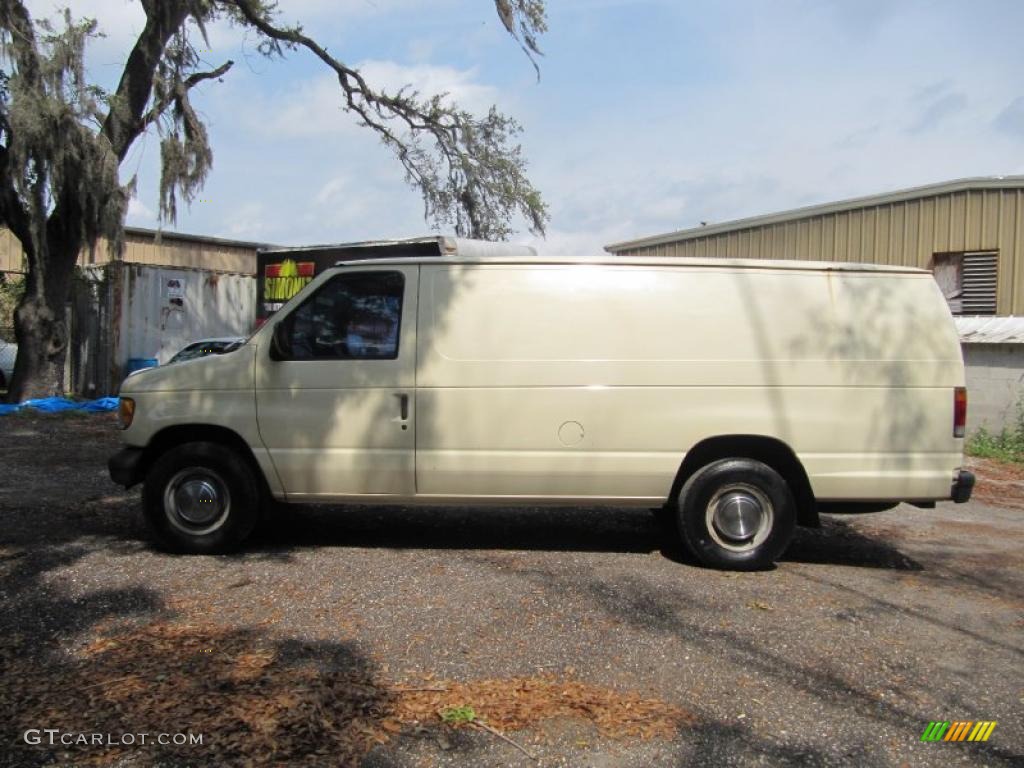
(769, 450)
(179, 434)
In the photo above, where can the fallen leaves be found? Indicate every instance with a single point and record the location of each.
(512, 704)
(1000, 483)
(259, 702)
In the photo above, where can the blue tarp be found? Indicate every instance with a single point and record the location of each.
(58, 404)
(101, 405)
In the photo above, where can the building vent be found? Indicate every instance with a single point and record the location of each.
(968, 281)
(980, 273)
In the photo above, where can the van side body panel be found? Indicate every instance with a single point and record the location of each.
(576, 381)
(565, 382)
(216, 390)
(334, 428)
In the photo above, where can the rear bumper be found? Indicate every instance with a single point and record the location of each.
(125, 466)
(962, 486)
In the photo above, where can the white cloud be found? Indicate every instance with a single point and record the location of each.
(247, 221)
(119, 20)
(460, 84)
(314, 9)
(560, 242)
(313, 108)
(316, 107)
(140, 212)
(947, 105)
(1010, 119)
(332, 191)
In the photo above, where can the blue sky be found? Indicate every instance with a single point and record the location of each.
(649, 116)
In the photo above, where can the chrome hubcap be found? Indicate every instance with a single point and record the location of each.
(739, 517)
(197, 501)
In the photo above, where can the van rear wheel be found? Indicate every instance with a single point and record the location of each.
(736, 514)
(201, 498)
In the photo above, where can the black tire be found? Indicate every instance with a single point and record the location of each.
(665, 516)
(755, 506)
(174, 496)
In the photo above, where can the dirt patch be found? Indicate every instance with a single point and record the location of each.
(256, 704)
(999, 483)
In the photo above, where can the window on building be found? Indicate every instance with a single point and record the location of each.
(968, 281)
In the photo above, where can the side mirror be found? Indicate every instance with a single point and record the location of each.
(279, 342)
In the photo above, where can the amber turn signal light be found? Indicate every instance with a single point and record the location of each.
(126, 412)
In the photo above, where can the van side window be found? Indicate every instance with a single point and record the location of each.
(351, 317)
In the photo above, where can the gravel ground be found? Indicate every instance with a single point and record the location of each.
(871, 627)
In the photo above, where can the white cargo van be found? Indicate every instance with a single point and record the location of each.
(743, 396)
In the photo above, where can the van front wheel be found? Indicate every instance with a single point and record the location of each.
(736, 514)
(201, 498)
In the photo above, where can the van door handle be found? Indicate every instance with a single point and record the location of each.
(403, 408)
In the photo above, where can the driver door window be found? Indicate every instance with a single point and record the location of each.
(352, 317)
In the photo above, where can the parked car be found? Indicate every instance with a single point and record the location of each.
(206, 347)
(8, 354)
(741, 397)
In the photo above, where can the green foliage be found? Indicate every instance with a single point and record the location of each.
(458, 715)
(525, 20)
(1006, 445)
(48, 116)
(11, 290)
(64, 138)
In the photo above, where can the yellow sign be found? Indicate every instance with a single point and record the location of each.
(284, 280)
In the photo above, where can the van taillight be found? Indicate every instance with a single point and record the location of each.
(959, 411)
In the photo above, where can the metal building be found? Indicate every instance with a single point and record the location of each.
(148, 246)
(970, 232)
(166, 289)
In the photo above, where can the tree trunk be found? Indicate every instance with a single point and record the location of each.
(40, 323)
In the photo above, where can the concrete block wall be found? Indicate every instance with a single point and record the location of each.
(995, 384)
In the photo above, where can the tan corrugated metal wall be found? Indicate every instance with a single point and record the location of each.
(188, 253)
(906, 233)
(11, 258)
(142, 249)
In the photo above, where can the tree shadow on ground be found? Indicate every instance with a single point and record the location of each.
(119, 661)
(717, 743)
(129, 663)
(635, 602)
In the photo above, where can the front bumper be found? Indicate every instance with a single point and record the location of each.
(125, 466)
(962, 486)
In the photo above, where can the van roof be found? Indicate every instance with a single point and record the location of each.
(433, 245)
(645, 261)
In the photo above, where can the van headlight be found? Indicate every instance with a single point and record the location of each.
(126, 412)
